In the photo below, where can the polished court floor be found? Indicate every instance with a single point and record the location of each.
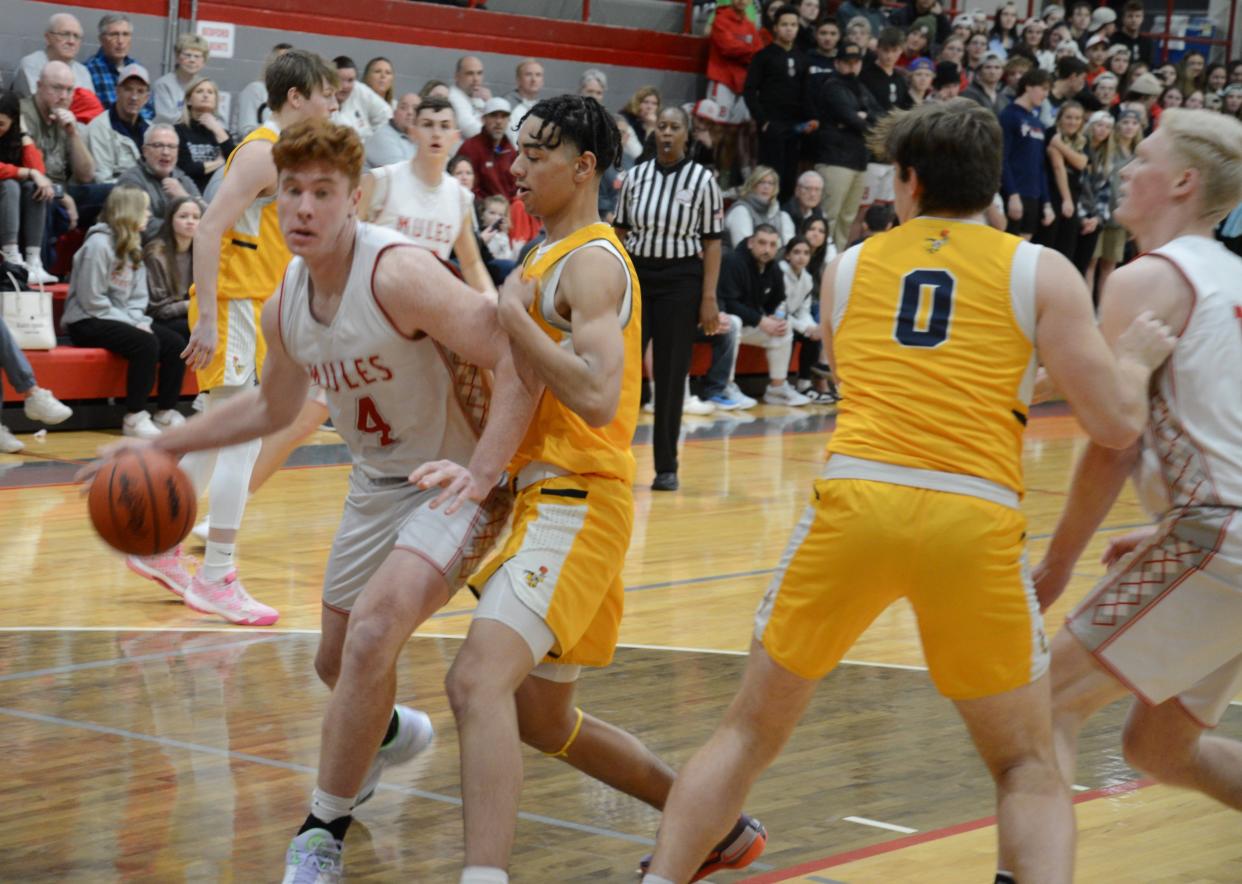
(149, 743)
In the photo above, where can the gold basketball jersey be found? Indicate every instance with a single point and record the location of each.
(558, 435)
(934, 333)
(253, 254)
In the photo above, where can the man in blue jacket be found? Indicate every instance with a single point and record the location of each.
(1024, 181)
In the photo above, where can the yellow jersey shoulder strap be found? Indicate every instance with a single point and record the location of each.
(538, 264)
(263, 133)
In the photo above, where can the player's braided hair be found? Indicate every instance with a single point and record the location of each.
(582, 122)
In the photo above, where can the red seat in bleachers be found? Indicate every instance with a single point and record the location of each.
(75, 373)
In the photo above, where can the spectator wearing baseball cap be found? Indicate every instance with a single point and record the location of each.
(1052, 14)
(116, 35)
(846, 111)
(1145, 89)
(921, 72)
(1103, 22)
(115, 138)
(491, 153)
(1097, 54)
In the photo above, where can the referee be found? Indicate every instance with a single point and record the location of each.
(670, 215)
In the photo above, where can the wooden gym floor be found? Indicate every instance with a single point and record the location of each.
(148, 743)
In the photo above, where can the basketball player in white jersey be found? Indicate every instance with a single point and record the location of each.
(370, 318)
(419, 199)
(1165, 624)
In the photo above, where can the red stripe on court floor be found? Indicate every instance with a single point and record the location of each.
(840, 859)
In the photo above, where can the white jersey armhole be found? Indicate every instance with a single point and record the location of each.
(843, 282)
(548, 290)
(1023, 275)
(1022, 287)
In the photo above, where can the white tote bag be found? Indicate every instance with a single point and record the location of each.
(28, 314)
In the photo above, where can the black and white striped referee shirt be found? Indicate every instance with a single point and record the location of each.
(667, 211)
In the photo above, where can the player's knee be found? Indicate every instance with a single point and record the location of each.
(467, 682)
(368, 647)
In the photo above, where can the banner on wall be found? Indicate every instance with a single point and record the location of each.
(219, 36)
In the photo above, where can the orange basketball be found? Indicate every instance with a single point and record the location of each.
(141, 502)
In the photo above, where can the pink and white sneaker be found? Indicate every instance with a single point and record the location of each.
(167, 569)
(227, 598)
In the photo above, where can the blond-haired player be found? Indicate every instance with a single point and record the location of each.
(933, 330)
(1165, 623)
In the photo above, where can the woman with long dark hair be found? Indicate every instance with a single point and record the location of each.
(25, 192)
(169, 259)
(669, 216)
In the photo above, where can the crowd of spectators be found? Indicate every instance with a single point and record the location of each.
(793, 92)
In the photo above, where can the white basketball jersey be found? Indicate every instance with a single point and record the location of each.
(395, 401)
(430, 216)
(1192, 450)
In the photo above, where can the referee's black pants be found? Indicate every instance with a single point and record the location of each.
(672, 291)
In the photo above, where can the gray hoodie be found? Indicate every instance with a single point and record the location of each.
(98, 289)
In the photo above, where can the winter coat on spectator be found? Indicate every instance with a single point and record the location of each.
(198, 146)
(114, 144)
(140, 176)
(733, 42)
(746, 292)
(842, 132)
(98, 289)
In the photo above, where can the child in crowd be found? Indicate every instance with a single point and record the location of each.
(169, 259)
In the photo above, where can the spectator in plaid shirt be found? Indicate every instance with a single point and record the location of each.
(115, 36)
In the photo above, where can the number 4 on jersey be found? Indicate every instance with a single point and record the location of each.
(934, 330)
(371, 421)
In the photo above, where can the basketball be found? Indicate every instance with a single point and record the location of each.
(141, 502)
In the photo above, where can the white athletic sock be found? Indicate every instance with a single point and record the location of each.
(654, 879)
(483, 875)
(219, 560)
(329, 807)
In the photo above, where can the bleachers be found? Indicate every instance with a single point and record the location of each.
(80, 373)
